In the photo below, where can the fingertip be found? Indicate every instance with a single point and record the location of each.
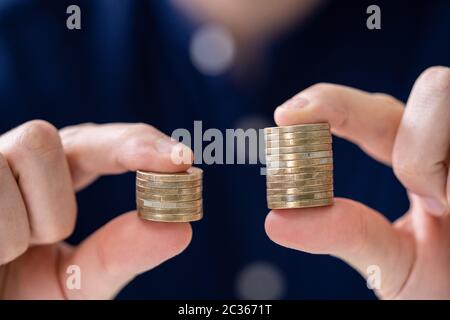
(179, 159)
(172, 238)
(291, 115)
(272, 225)
(436, 79)
(148, 158)
(122, 249)
(166, 164)
(130, 245)
(311, 229)
(285, 227)
(175, 236)
(435, 206)
(282, 116)
(288, 112)
(277, 226)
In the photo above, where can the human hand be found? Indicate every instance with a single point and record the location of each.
(413, 253)
(40, 171)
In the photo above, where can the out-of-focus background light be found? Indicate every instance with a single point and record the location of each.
(212, 49)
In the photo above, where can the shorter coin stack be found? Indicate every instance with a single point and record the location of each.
(299, 163)
(175, 197)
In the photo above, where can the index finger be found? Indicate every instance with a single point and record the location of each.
(94, 150)
(369, 120)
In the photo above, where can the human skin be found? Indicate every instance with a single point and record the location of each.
(41, 168)
(413, 253)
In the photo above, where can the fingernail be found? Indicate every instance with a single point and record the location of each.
(435, 206)
(165, 145)
(296, 102)
(181, 154)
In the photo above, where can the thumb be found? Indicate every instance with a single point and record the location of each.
(119, 251)
(351, 231)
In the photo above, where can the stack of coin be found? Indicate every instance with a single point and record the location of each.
(299, 163)
(175, 197)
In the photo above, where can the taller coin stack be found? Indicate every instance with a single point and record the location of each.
(299, 163)
(175, 197)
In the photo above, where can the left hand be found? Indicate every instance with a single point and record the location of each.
(413, 253)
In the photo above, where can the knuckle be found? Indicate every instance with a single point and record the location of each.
(137, 143)
(322, 88)
(142, 127)
(386, 99)
(137, 134)
(325, 100)
(38, 136)
(140, 136)
(436, 78)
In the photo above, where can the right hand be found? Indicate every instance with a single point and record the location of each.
(40, 171)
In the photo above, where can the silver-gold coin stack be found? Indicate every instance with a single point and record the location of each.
(299, 162)
(174, 197)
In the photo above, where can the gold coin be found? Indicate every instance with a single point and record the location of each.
(300, 204)
(299, 156)
(299, 176)
(296, 149)
(299, 183)
(175, 191)
(299, 197)
(167, 185)
(171, 218)
(191, 174)
(178, 214)
(169, 211)
(299, 190)
(298, 128)
(297, 142)
(145, 203)
(279, 171)
(169, 198)
(299, 163)
(298, 135)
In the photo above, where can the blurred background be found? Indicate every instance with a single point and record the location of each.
(228, 63)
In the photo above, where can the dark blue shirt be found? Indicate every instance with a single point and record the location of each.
(130, 63)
